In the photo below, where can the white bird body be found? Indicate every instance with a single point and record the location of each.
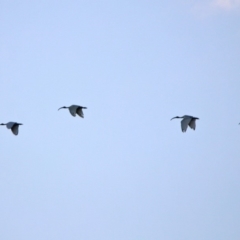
(75, 109)
(13, 126)
(187, 121)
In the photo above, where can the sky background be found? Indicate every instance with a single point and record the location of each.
(125, 171)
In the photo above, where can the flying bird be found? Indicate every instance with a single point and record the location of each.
(187, 121)
(75, 109)
(13, 126)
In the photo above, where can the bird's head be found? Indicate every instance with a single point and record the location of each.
(62, 107)
(2, 124)
(175, 117)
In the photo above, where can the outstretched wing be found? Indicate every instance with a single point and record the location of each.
(73, 110)
(10, 125)
(15, 129)
(72, 113)
(192, 124)
(185, 122)
(80, 112)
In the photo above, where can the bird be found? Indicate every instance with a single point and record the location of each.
(187, 121)
(13, 126)
(75, 109)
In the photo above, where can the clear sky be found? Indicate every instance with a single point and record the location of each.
(125, 171)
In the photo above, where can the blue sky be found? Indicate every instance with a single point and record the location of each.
(125, 171)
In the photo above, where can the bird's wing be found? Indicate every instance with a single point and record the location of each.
(184, 123)
(10, 125)
(15, 129)
(192, 124)
(72, 110)
(80, 112)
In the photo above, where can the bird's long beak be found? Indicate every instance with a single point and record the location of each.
(60, 108)
(172, 118)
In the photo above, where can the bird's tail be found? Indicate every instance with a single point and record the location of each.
(84, 107)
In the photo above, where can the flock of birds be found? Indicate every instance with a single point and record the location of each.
(73, 109)
(78, 110)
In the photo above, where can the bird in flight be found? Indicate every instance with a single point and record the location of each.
(75, 109)
(13, 126)
(187, 121)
